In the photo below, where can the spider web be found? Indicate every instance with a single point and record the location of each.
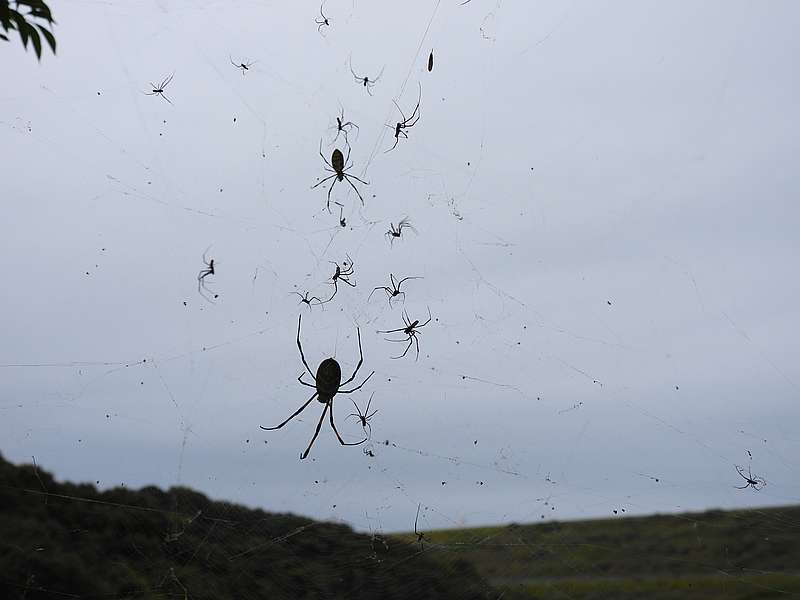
(591, 353)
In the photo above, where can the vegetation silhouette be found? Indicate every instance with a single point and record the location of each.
(37, 18)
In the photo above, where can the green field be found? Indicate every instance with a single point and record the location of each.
(732, 554)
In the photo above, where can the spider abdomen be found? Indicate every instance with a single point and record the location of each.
(329, 378)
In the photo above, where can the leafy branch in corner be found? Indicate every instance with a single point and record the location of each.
(26, 23)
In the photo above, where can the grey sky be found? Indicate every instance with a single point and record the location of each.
(568, 155)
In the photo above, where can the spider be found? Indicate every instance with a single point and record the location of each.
(209, 269)
(342, 220)
(338, 166)
(430, 62)
(322, 21)
(344, 127)
(327, 383)
(394, 291)
(242, 66)
(420, 535)
(394, 233)
(754, 482)
(411, 330)
(341, 274)
(366, 81)
(406, 123)
(307, 301)
(364, 417)
(158, 90)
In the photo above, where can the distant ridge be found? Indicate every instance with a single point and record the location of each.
(64, 540)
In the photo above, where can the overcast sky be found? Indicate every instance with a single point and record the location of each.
(605, 204)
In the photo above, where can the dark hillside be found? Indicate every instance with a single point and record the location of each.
(75, 542)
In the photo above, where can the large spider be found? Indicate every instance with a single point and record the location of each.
(242, 66)
(406, 123)
(338, 166)
(209, 269)
(322, 21)
(394, 291)
(364, 417)
(366, 81)
(327, 383)
(158, 90)
(344, 127)
(396, 232)
(754, 482)
(411, 330)
(309, 301)
(342, 274)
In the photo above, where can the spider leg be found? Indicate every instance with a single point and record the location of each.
(293, 415)
(393, 331)
(416, 342)
(167, 81)
(300, 347)
(358, 387)
(335, 289)
(330, 189)
(316, 432)
(368, 403)
(405, 279)
(165, 97)
(336, 431)
(396, 141)
(428, 321)
(305, 383)
(347, 177)
(323, 181)
(410, 342)
(347, 282)
(375, 289)
(360, 362)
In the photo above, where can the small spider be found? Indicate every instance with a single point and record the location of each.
(364, 417)
(406, 123)
(342, 220)
(209, 269)
(322, 21)
(420, 535)
(344, 127)
(411, 330)
(309, 301)
(158, 90)
(338, 166)
(242, 66)
(754, 482)
(342, 274)
(327, 383)
(394, 291)
(366, 81)
(395, 233)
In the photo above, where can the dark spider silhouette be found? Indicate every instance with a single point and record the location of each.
(406, 123)
(395, 233)
(209, 269)
(365, 416)
(338, 166)
(158, 90)
(342, 274)
(344, 127)
(308, 301)
(411, 330)
(322, 21)
(242, 66)
(420, 535)
(394, 291)
(327, 383)
(754, 482)
(430, 62)
(366, 81)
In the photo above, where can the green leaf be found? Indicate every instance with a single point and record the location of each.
(51, 40)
